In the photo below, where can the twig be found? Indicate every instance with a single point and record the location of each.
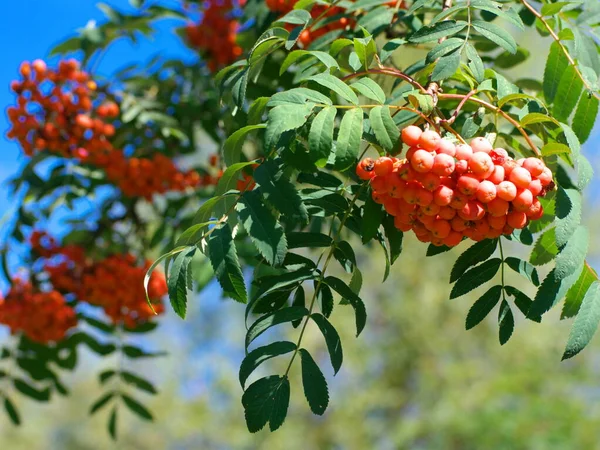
(388, 71)
(497, 110)
(451, 120)
(562, 47)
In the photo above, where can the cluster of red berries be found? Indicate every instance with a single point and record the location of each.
(215, 34)
(309, 35)
(444, 192)
(60, 111)
(116, 283)
(41, 316)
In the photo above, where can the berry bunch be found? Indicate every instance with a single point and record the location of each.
(216, 34)
(444, 192)
(144, 177)
(60, 111)
(42, 316)
(116, 283)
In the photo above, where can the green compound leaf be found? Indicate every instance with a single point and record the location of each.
(577, 292)
(177, 281)
(320, 137)
(332, 339)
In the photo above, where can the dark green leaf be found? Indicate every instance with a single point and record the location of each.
(138, 382)
(264, 230)
(585, 116)
(41, 395)
(347, 294)
(314, 383)
(232, 147)
(446, 66)
(475, 277)
(224, 260)
(394, 237)
(372, 217)
(496, 34)
(101, 402)
(258, 356)
(482, 307)
(524, 268)
(332, 339)
(325, 297)
(302, 239)
(275, 318)
(177, 281)
(336, 85)
(370, 89)
(285, 118)
(266, 400)
(12, 412)
(439, 30)
(112, 423)
(475, 254)
(545, 249)
(506, 322)
(136, 407)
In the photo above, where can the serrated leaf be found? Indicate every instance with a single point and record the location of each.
(296, 55)
(370, 89)
(439, 30)
(545, 249)
(586, 322)
(443, 48)
(177, 281)
(585, 116)
(567, 94)
(265, 232)
(372, 216)
(506, 322)
(275, 318)
(279, 191)
(314, 383)
(556, 65)
(383, 126)
(569, 203)
(475, 277)
(394, 237)
(576, 293)
(483, 306)
(298, 96)
(224, 261)
(475, 254)
(548, 295)
(266, 400)
(524, 268)
(348, 140)
(475, 64)
(496, 34)
(522, 301)
(285, 118)
(320, 137)
(332, 340)
(572, 255)
(585, 172)
(261, 354)
(300, 301)
(301, 239)
(232, 147)
(325, 297)
(336, 85)
(137, 408)
(347, 294)
(446, 66)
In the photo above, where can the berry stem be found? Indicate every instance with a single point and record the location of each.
(321, 278)
(562, 47)
(497, 110)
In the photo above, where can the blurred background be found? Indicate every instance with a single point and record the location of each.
(415, 379)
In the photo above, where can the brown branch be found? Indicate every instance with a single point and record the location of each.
(388, 71)
(451, 120)
(562, 47)
(497, 110)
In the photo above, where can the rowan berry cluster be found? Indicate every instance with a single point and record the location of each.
(115, 283)
(444, 192)
(41, 316)
(60, 111)
(215, 34)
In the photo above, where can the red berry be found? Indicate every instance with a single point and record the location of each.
(411, 135)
